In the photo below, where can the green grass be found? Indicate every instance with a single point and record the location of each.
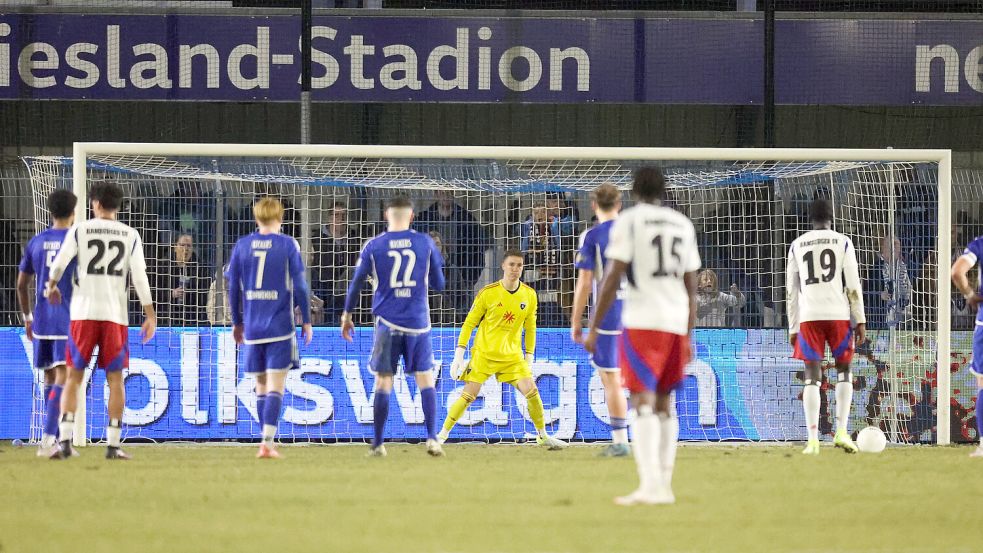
(487, 498)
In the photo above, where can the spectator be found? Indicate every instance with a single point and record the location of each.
(181, 285)
(712, 304)
(336, 250)
(442, 313)
(217, 307)
(464, 243)
(317, 312)
(896, 292)
(189, 211)
(540, 241)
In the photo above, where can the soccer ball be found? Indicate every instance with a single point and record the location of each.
(871, 440)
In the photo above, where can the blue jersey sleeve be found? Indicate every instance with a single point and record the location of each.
(362, 267)
(26, 266)
(302, 293)
(975, 250)
(437, 280)
(586, 255)
(234, 275)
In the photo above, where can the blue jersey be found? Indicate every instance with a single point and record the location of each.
(50, 321)
(266, 280)
(593, 243)
(404, 266)
(974, 251)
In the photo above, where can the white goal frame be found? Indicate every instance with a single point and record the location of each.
(82, 151)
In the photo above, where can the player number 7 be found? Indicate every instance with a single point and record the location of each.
(261, 254)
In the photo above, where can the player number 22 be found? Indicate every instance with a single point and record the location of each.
(827, 260)
(394, 281)
(112, 268)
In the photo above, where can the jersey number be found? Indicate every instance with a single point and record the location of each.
(394, 281)
(113, 267)
(662, 268)
(260, 267)
(50, 258)
(827, 260)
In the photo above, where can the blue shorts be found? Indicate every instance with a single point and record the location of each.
(976, 365)
(48, 354)
(605, 357)
(390, 344)
(272, 356)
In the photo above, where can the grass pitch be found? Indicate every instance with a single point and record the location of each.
(484, 498)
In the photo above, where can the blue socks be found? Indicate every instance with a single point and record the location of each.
(380, 410)
(261, 408)
(428, 398)
(271, 408)
(52, 409)
(979, 414)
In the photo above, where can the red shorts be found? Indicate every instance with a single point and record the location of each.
(111, 339)
(653, 360)
(810, 345)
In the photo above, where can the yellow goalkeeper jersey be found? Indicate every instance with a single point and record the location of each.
(501, 316)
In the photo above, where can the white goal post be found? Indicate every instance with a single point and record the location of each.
(84, 153)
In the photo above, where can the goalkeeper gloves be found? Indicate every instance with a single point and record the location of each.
(529, 360)
(458, 364)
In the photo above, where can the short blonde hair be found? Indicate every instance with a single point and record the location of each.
(268, 210)
(606, 196)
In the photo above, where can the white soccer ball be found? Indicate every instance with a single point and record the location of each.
(871, 440)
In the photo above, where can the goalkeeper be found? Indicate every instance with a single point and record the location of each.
(501, 311)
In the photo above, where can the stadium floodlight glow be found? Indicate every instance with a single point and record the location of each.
(741, 199)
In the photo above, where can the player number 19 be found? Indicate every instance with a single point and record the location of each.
(827, 260)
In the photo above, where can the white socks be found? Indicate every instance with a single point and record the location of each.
(844, 398)
(646, 451)
(269, 432)
(810, 404)
(66, 428)
(667, 446)
(114, 433)
(619, 436)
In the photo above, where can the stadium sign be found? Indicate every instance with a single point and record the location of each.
(490, 59)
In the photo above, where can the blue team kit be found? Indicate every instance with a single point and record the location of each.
(266, 280)
(51, 321)
(404, 265)
(591, 257)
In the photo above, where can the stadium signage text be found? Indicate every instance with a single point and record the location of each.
(119, 60)
(186, 383)
(838, 61)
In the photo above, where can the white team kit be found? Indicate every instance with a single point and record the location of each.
(823, 294)
(660, 244)
(108, 252)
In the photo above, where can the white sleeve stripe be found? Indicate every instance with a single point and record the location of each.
(970, 256)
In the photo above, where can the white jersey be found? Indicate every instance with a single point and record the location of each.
(108, 251)
(822, 280)
(659, 243)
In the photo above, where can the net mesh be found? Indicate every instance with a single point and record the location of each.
(742, 384)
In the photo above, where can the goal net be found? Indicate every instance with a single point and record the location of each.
(191, 202)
